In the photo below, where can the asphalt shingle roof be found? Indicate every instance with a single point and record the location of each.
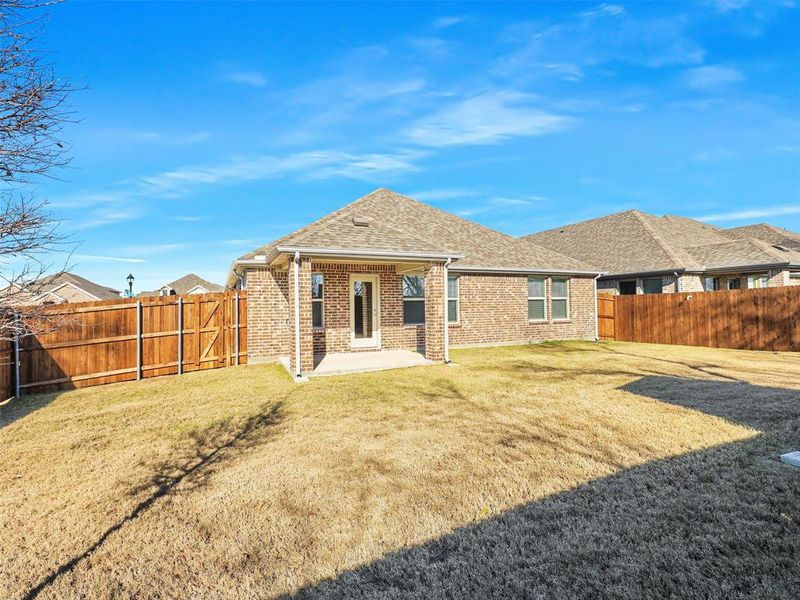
(102, 292)
(400, 224)
(767, 233)
(636, 242)
(188, 282)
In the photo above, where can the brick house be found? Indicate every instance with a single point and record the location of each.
(387, 272)
(645, 254)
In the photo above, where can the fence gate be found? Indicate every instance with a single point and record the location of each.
(605, 316)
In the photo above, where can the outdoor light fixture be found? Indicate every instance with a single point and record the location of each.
(130, 279)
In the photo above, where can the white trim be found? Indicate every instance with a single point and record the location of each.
(320, 300)
(70, 284)
(412, 298)
(565, 298)
(466, 269)
(542, 298)
(192, 291)
(375, 340)
(367, 253)
(457, 299)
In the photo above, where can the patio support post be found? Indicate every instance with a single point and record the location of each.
(297, 357)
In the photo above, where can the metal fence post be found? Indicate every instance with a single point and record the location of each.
(180, 335)
(138, 340)
(236, 326)
(17, 383)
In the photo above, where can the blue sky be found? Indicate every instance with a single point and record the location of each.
(207, 129)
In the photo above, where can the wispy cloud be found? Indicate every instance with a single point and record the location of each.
(488, 118)
(711, 77)
(113, 259)
(445, 22)
(711, 154)
(755, 213)
(250, 78)
(151, 136)
(442, 194)
(501, 204)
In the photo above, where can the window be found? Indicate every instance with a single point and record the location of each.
(413, 300)
(651, 285)
(452, 298)
(734, 283)
(627, 288)
(559, 301)
(794, 275)
(317, 301)
(711, 284)
(536, 299)
(757, 281)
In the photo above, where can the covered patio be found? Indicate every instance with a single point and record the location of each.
(340, 363)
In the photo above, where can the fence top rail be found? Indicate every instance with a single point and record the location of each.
(123, 303)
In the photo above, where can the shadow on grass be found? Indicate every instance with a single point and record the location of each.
(15, 409)
(207, 451)
(714, 523)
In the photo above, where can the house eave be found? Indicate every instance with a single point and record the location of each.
(522, 271)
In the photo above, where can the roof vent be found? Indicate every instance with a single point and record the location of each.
(781, 248)
(360, 222)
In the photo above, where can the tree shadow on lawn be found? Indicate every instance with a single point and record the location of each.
(15, 409)
(189, 467)
(719, 522)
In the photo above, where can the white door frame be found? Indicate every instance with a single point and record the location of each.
(375, 340)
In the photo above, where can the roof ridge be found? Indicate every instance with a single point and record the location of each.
(666, 247)
(562, 227)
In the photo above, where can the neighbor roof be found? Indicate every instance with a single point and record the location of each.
(390, 222)
(187, 283)
(635, 242)
(101, 292)
(767, 233)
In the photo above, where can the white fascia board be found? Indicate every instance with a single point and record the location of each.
(466, 269)
(367, 253)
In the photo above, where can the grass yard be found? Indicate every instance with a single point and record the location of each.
(557, 470)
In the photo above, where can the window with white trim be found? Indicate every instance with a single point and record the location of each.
(317, 300)
(413, 300)
(536, 299)
(559, 298)
(757, 281)
(452, 298)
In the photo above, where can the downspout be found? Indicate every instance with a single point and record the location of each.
(596, 316)
(446, 324)
(297, 314)
(677, 282)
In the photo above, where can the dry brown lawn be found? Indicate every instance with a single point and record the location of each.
(557, 470)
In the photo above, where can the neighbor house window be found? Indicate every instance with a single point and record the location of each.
(413, 299)
(652, 285)
(317, 300)
(536, 299)
(712, 284)
(757, 281)
(627, 288)
(452, 298)
(734, 283)
(794, 275)
(559, 301)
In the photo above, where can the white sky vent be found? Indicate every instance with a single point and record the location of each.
(360, 222)
(793, 458)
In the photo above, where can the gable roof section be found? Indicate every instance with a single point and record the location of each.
(767, 233)
(101, 292)
(400, 224)
(188, 282)
(635, 242)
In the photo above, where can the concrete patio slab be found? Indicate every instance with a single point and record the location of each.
(340, 363)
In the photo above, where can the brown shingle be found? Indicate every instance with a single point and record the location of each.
(767, 233)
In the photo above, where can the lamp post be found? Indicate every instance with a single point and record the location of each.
(130, 279)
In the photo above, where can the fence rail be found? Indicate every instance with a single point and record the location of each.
(94, 343)
(761, 319)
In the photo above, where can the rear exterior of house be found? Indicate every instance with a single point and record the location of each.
(646, 254)
(387, 272)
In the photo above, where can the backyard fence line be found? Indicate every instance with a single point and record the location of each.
(94, 343)
(759, 319)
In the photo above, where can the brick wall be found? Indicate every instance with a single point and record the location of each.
(268, 318)
(434, 313)
(494, 309)
(306, 334)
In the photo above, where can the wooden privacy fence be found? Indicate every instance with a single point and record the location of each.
(762, 319)
(94, 343)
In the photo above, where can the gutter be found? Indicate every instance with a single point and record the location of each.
(677, 282)
(297, 315)
(367, 253)
(467, 269)
(446, 319)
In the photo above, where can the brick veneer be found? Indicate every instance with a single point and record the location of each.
(494, 309)
(696, 283)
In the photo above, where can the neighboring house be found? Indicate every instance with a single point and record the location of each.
(765, 232)
(388, 272)
(646, 254)
(62, 287)
(188, 284)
